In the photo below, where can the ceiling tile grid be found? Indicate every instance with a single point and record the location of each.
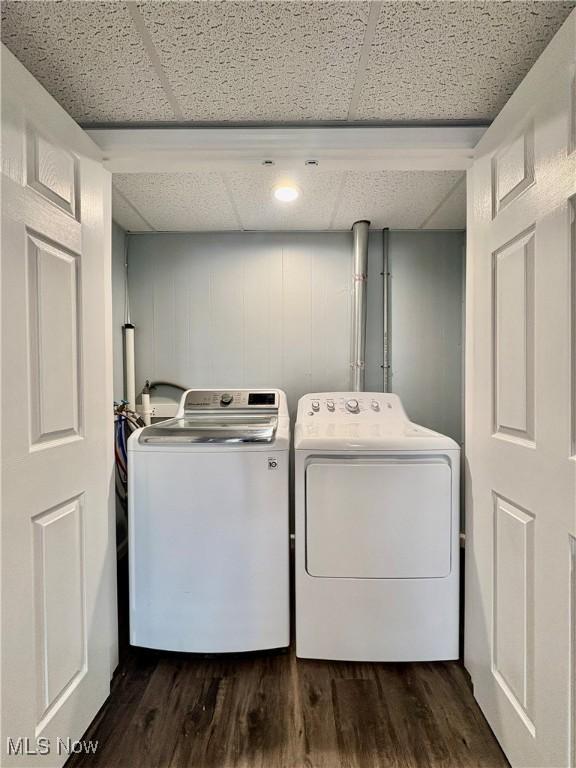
(179, 202)
(246, 61)
(192, 202)
(395, 199)
(253, 195)
(228, 61)
(89, 57)
(281, 60)
(451, 213)
(453, 60)
(126, 214)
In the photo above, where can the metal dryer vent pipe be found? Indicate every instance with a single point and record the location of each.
(360, 274)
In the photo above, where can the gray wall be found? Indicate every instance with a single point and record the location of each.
(242, 309)
(118, 241)
(426, 326)
(273, 309)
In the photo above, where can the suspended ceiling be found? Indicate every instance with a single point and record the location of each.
(216, 201)
(153, 62)
(116, 62)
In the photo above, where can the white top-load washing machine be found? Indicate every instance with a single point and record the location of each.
(377, 532)
(208, 525)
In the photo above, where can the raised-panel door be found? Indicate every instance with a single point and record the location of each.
(520, 622)
(57, 560)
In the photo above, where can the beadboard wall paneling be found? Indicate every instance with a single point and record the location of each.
(243, 309)
(426, 326)
(273, 309)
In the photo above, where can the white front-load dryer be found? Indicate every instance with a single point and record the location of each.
(377, 532)
(208, 525)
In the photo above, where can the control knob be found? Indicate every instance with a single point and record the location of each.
(226, 398)
(353, 406)
(315, 405)
(330, 405)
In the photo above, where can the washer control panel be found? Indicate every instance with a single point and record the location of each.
(218, 399)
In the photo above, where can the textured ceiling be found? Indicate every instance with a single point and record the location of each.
(259, 61)
(328, 200)
(453, 59)
(89, 56)
(282, 61)
(285, 61)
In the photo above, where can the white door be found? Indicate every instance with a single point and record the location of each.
(57, 567)
(402, 522)
(521, 424)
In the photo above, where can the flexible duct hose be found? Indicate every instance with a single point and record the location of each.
(125, 422)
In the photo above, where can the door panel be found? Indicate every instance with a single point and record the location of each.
(54, 336)
(58, 604)
(513, 169)
(59, 592)
(513, 342)
(51, 171)
(513, 596)
(521, 485)
(379, 519)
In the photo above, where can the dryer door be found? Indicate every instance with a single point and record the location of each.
(382, 518)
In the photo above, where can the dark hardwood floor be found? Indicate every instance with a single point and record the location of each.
(276, 711)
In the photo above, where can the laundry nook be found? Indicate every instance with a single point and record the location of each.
(288, 424)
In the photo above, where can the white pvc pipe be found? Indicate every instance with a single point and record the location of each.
(146, 409)
(129, 367)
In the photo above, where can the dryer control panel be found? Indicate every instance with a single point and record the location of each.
(351, 420)
(351, 415)
(364, 406)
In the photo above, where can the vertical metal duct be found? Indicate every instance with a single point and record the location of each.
(360, 259)
(385, 312)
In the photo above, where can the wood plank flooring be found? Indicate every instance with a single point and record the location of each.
(276, 711)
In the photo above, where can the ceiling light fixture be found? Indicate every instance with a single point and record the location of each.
(286, 193)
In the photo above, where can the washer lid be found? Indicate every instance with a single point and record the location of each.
(229, 427)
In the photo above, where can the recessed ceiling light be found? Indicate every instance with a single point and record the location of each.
(286, 193)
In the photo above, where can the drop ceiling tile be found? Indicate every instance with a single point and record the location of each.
(180, 202)
(282, 60)
(127, 216)
(208, 201)
(259, 61)
(451, 214)
(453, 60)
(252, 192)
(395, 199)
(89, 56)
